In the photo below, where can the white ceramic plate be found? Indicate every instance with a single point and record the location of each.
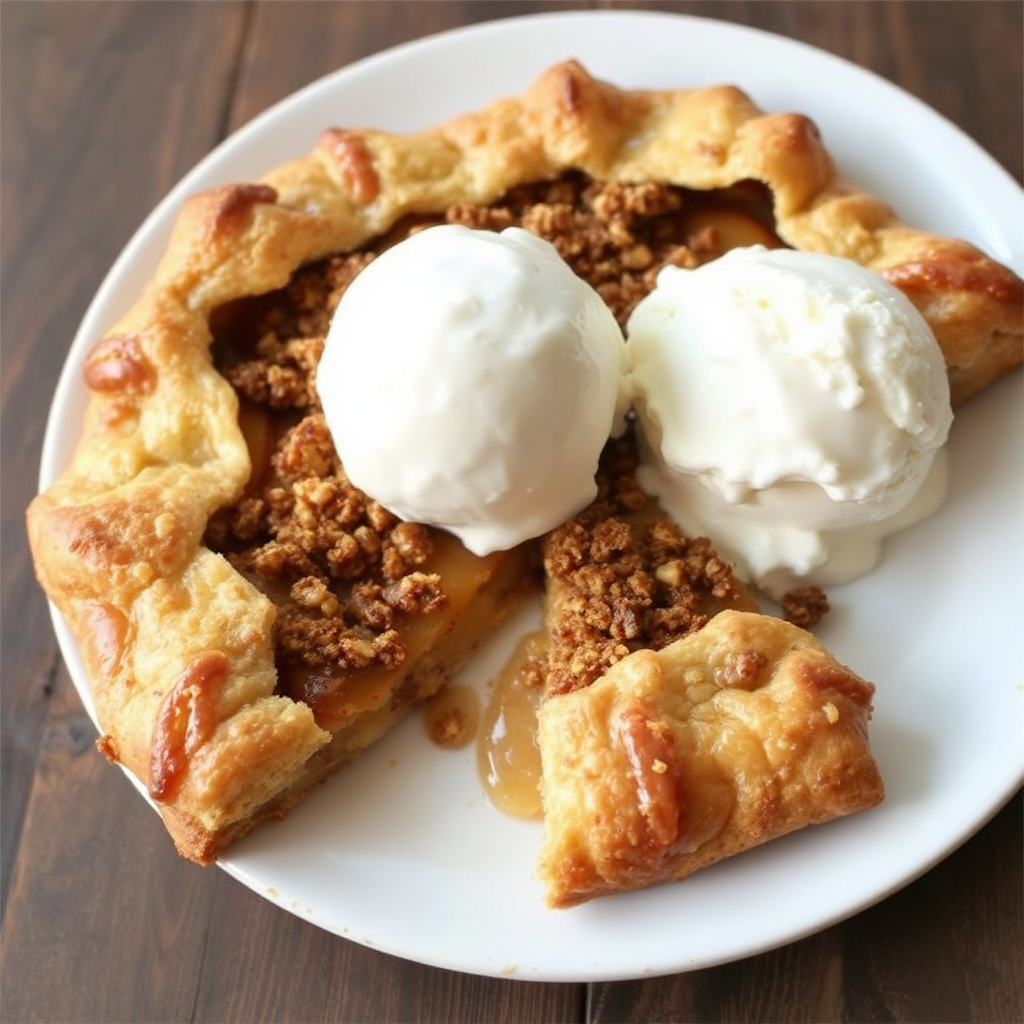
(401, 852)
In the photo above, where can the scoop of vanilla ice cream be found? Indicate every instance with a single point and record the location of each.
(793, 408)
(470, 380)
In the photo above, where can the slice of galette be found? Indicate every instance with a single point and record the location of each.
(249, 621)
(734, 735)
(677, 726)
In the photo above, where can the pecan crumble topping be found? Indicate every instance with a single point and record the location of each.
(805, 607)
(622, 582)
(340, 567)
(616, 236)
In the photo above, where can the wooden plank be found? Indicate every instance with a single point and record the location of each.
(799, 983)
(328, 978)
(102, 111)
(104, 106)
(76, 186)
(338, 34)
(136, 914)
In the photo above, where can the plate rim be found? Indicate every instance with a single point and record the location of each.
(67, 383)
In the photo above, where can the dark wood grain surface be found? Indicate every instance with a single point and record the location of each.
(104, 107)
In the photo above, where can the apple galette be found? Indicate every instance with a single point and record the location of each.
(250, 621)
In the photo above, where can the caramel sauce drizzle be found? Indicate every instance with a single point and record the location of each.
(508, 757)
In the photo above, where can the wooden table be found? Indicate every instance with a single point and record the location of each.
(105, 106)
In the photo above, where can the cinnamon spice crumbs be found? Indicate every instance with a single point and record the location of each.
(805, 606)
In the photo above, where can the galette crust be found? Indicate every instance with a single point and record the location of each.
(734, 735)
(175, 642)
(703, 138)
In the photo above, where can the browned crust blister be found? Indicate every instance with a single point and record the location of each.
(177, 645)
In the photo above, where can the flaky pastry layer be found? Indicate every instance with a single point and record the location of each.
(178, 646)
(673, 760)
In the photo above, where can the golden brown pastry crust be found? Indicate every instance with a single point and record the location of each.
(673, 760)
(703, 138)
(178, 645)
